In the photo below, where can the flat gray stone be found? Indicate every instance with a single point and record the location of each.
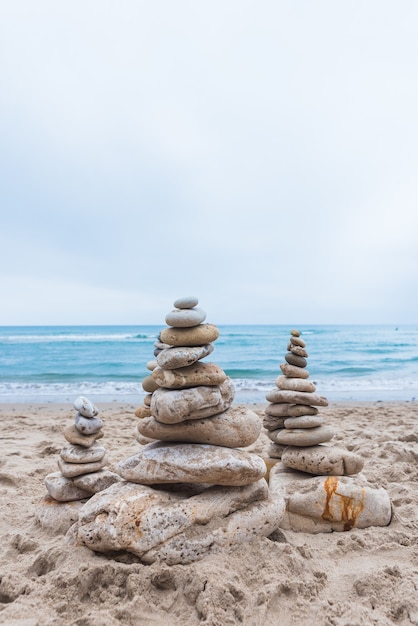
(86, 408)
(185, 318)
(87, 425)
(172, 358)
(173, 406)
(175, 526)
(305, 421)
(69, 470)
(237, 427)
(295, 384)
(161, 462)
(294, 359)
(192, 376)
(323, 460)
(316, 504)
(187, 302)
(296, 397)
(302, 436)
(81, 454)
(196, 336)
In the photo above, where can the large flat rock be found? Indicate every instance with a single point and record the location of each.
(175, 526)
(160, 462)
(320, 504)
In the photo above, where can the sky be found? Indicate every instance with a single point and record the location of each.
(259, 155)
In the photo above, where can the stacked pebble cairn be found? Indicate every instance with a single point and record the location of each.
(192, 491)
(323, 486)
(82, 460)
(293, 423)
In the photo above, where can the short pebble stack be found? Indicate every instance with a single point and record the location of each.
(196, 465)
(315, 478)
(293, 422)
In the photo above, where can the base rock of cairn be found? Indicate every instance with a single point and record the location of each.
(81, 472)
(314, 477)
(193, 491)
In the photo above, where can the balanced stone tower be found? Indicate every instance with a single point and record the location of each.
(302, 442)
(81, 469)
(195, 490)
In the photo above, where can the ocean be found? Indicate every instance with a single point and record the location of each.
(108, 363)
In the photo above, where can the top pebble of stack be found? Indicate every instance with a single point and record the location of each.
(186, 326)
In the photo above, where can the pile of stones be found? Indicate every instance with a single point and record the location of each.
(194, 490)
(81, 466)
(301, 441)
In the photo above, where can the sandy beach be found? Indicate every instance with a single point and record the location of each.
(360, 577)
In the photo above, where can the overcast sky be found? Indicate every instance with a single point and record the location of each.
(261, 155)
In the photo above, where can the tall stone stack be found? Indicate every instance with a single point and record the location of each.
(314, 477)
(193, 491)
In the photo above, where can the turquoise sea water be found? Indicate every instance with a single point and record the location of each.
(108, 363)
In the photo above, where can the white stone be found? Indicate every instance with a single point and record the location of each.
(317, 504)
(185, 318)
(174, 526)
(74, 436)
(172, 358)
(85, 407)
(188, 302)
(96, 481)
(161, 462)
(172, 406)
(87, 425)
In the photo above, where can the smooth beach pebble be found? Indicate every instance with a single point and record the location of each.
(80, 454)
(196, 336)
(303, 436)
(76, 469)
(192, 376)
(87, 425)
(294, 359)
(185, 318)
(293, 371)
(304, 421)
(188, 302)
(73, 435)
(295, 384)
(85, 407)
(322, 460)
(172, 358)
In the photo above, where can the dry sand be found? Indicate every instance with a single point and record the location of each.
(359, 577)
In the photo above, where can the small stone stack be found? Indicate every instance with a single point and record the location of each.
(81, 462)
(315, 478)
(81, 472)
(293, 423)
(193, 491)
